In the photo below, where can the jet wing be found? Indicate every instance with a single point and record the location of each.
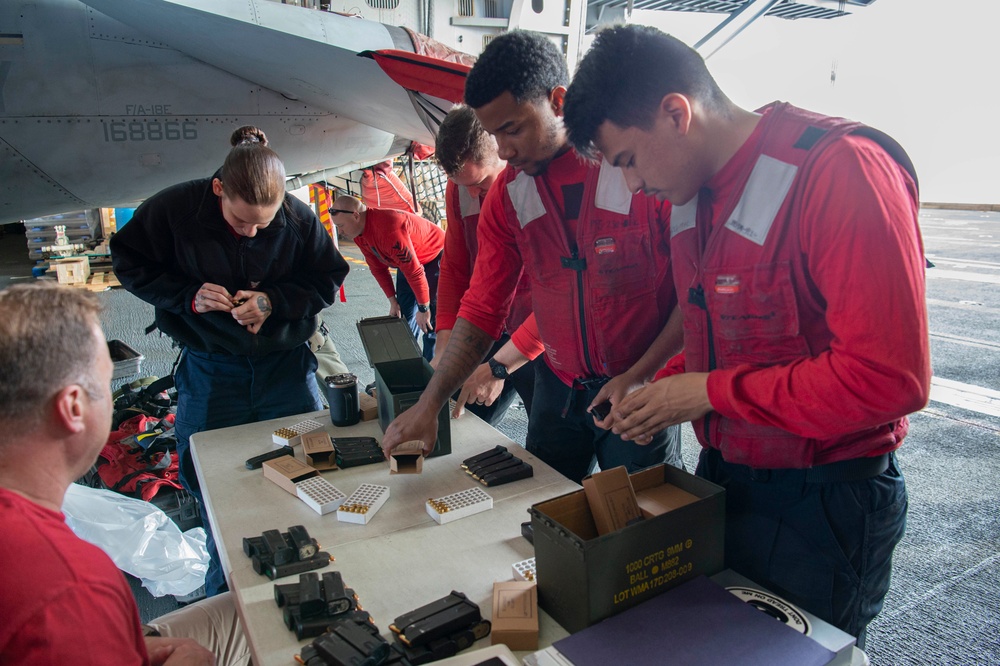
(309, 56)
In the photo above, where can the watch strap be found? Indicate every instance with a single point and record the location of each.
(498, 369)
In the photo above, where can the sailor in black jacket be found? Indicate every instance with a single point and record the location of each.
(238, 271)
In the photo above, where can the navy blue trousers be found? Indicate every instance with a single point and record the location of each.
(563, 435)
(223, 390)
(825, 547)
(408, 303)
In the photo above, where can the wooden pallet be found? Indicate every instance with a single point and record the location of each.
(101, 281)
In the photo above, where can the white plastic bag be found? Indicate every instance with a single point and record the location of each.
(139, 538)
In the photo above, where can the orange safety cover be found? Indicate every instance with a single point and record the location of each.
(425, 74)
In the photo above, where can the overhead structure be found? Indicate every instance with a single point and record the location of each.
(105, 102)
(741, 13)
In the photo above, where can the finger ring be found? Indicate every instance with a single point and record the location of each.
(480, 402)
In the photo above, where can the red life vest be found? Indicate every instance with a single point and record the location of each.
(749, 299)
(468, 207)
(597, 297)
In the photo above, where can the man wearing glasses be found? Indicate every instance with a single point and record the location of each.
(404, 241)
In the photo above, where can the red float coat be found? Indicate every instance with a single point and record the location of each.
(401, 240)
(460, 251)
(600, 285)
(802, 272)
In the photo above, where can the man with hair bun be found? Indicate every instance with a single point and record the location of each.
(238, 271)
(64, 601)
(595, 255)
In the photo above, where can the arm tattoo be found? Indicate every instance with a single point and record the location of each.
(263, 304)
(466, 349)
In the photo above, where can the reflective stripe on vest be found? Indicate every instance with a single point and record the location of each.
(762, 198)
(467, 204)
(612, 190)
(523, 193)
(612, 194)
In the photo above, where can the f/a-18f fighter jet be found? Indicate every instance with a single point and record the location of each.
(105, 102)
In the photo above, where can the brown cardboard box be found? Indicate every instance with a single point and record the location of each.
(75, 270)
(659, 500)
(318, 450)
(611, 499)
(368, 406)
(515, 614)
(286, 471)
(407, 458)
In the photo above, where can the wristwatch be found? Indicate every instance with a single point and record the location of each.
(498, 369)
(422, 308)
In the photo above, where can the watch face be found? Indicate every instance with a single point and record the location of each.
(499, 371)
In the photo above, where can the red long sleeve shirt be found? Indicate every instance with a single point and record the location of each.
(456, 264)
(401, 240)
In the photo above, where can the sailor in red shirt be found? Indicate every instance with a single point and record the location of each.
(806, 345)
(598, 263)
(404, 241)
(64, 601)
(469, 156)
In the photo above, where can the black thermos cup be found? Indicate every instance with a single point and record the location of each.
(342, 393)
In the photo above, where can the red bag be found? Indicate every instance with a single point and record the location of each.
(137, 460)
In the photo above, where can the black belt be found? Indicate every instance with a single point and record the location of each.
(590, 383)
(857, 469)
(584, 384)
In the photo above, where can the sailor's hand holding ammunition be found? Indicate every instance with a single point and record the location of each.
(415, 423)
(675, 399)
(251, 309)
(613, 392)
(212, 297)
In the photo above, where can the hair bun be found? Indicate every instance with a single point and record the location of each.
(248, 134)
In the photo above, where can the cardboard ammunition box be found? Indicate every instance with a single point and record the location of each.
(612, 500)
(75, 270)
(401, 373)
(368, 406)
(515, 615)
(318, 450)
(584, 577)
(407, 458)
(286, 471)
(658, 500)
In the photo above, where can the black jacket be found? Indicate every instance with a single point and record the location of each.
(178, 240)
